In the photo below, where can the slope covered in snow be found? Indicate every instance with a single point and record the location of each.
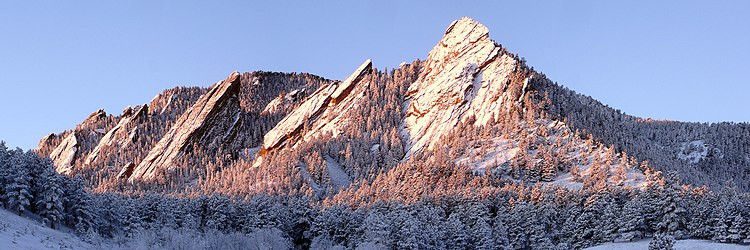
(17, 232)
(679, 245)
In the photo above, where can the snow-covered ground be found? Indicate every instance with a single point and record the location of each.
(339, 178)
(693, 151)
(679, 245)
(23, 233)
(17, 232)
(496, 151)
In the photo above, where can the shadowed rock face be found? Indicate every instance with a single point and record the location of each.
(210, 122)
(313, 108)
(126, 171)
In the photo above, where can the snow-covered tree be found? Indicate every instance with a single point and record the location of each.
(50, 200)
(630, 223)
(18, 190)
(457, 233)
(661, 241)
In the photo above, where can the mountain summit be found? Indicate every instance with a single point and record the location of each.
(465, 75)
(470, 148)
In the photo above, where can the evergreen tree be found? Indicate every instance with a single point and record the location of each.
(500, 235)
(661, 242)
(457, 237)
(482, 232)
(738, 229)
(5, 173)
(50, 201)
(720, 228)
(77, 204)
(18, 191)
(631, 225)
(375, 229)
(673, 213)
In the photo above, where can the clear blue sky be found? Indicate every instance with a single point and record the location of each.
(62, 60)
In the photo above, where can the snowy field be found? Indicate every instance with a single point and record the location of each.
(22, 233)
(679, 245)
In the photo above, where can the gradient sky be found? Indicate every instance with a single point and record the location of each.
(62, 60)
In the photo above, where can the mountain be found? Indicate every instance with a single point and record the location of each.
(492, 111)
(470, 148)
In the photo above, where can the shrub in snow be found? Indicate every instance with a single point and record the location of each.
(661, 242)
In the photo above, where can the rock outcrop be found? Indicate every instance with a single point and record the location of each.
(282, 102)
(466, 75)
(312, 109)
(119, 135)
(93, 118)
(126, 171)
(47, 140)
(64, 155)
(210, 122)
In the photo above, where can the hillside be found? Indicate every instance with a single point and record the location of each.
(17, 232)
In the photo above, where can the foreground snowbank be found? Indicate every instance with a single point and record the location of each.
(18, 232)
(679, 245)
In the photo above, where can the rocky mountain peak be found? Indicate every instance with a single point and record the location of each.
(64, 154)
(119, 135)
(465, 75)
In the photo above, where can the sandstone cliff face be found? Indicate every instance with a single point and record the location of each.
(466, 74)
(210, 122)
(65, 153)
(320, 108)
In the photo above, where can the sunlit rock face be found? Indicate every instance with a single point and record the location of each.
(320, 110)
(64, 154)
(466, 74)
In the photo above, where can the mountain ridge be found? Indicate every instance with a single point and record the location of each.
(468, 81)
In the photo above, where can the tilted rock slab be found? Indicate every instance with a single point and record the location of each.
(314, 108)
(465, 75)
(118, 136)
(210, 122)
(64, 154)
